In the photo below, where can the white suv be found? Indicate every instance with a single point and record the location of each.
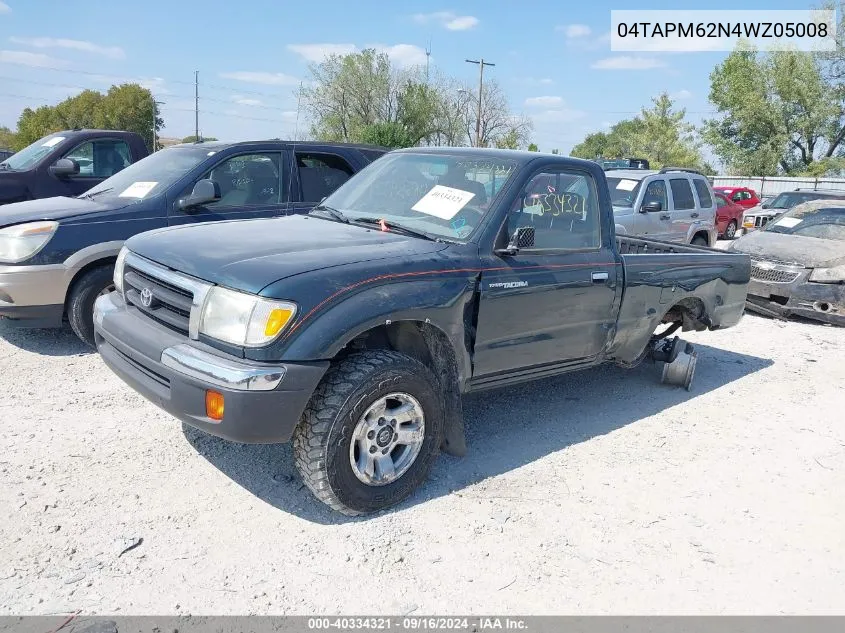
(673, 204)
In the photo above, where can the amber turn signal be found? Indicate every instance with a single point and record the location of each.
(214, 405)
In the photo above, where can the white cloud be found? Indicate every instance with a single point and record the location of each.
(24, 58)
(153, 84)
(573, 31)
(543, 102)
(448, 20)
(246, 101)
(259, 77)
(5, 8)
(558, 115)
(626, 62)
(403, 54)
(318, 52)
(680, 95)
(585, 41)
(112, 52)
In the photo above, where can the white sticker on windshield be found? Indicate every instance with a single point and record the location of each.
(53, 141)
(626, 185)
(788, 222)
(137, 190)
(443, 202)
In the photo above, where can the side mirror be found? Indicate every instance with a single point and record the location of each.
(204, 191)
(651, 207)
(523, 237)
(765, 205)
(64, 167)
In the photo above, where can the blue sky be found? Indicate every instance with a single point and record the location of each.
(553, 58)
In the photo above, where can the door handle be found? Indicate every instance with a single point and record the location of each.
(693, 215)
(599, 277)
(665, 216)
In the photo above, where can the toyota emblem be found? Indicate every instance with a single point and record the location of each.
(146, 297)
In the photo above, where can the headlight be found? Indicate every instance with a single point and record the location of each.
(828, 275)
(118, 269)
(244, 319)
(22, 241)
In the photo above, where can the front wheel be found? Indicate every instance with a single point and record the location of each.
(370, 433)
(80, 305)
(699, 241)
(730, 230)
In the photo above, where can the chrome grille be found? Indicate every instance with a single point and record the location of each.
(169, 305)
(773, 272)
(166, 296)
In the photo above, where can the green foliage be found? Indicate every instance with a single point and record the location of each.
(125, 107)
(777, 113)
(7, 138)
(532, 147)
(362, 97)
(659, 133)
(193, 139)
(510, 140)
(388, 134)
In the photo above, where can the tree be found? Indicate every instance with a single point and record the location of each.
(659, 133)
(7, 138)
(193, 139)
(532, 147)
(126, 107)
(509, 140)
(362, 96)
(777, 113)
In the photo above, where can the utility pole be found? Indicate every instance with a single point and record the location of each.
(197, 104)
(481, 64)
(427, 59)
(155, 139)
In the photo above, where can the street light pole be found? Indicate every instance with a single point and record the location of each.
(481, 64)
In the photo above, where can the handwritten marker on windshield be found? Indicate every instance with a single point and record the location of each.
(382, 225)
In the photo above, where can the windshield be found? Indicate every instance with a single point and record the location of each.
(789, 199)
(441, 195)
(151, 175)
(623, 191)
(827, 223)
(30, 155)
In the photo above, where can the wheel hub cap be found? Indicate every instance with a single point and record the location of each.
(387, 439)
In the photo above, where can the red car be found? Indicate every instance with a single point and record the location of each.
(743, 196)
(728, 216)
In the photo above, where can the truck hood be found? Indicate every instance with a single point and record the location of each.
(249, 255)
(810, 252)
(48, 209)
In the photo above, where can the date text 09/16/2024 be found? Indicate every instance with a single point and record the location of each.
(417, 624)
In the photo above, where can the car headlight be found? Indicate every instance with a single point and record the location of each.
(118, 269)
(244, 319)
(22, 241)
(828, 275)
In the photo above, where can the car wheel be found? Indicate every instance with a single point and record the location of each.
(699, 241)
(80, 307)
(730, 230)
(370, 433)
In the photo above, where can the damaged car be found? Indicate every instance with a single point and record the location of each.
(798, 263)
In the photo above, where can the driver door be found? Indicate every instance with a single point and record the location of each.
(655, 225)
(252, 185)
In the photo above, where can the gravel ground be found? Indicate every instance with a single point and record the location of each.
(600, 492)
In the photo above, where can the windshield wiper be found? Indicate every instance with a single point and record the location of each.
(397, 228)
(337, 215)
(90, 195)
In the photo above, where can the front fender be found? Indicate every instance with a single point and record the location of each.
(445, 303)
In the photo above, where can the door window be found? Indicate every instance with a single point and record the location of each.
(248, 180)
(681, 194)
(100, 159)
(656, 192)
(703, 192)
(321, 174)
(562, 209)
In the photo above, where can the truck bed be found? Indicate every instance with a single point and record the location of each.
(663, 281)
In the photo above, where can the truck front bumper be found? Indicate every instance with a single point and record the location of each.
(262, 403)
(33, 296)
